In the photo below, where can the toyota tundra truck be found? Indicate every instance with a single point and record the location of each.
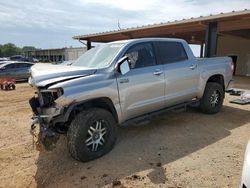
(120, 83)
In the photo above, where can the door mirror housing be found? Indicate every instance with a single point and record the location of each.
(123, 65)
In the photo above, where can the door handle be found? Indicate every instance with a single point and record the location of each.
(158, 72)
(192, 66)
(124, 80)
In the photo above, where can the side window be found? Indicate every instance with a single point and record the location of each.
(20, 65)
(28, 65)
(11, 66)
(171, 52)
(141, 55)
(23, 65)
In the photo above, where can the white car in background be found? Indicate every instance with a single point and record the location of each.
(4, 59)
(66, 63)
(245, 180)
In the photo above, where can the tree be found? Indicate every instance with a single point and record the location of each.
(1, 53)
(10, 49)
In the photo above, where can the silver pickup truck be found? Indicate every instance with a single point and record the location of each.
(120, 83)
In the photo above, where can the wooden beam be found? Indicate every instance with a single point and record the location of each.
(233, 25)
(151, 32)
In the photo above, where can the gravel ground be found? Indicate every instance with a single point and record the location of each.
(186, 149)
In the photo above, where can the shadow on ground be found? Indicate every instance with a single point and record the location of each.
(148, 147)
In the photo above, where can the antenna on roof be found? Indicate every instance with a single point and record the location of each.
(118, 24)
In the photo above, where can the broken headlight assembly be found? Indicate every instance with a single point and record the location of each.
(47, 97)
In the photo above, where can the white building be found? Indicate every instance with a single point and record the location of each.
(56, 54)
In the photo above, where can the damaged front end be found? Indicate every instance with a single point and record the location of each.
(51, 106)
(45, 109)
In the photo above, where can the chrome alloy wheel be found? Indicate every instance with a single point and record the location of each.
(215, 98)
(96, 133)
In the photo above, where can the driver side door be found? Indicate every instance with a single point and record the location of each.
(141, 90)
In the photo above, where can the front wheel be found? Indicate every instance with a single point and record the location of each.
(91, 134)
(212, 99)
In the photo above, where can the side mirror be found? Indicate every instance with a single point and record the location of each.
(123, 65)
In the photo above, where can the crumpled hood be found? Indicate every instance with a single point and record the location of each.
(43, 74)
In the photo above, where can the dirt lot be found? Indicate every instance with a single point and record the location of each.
(187, 149)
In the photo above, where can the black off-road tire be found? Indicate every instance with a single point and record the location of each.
(205, 102)
(78, 132)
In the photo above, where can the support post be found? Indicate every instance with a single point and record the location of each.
(88, 45)
(202, 50)
(211, 40)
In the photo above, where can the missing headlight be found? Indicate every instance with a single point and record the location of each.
(47, 97)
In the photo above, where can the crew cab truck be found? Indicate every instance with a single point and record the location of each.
(119, 83)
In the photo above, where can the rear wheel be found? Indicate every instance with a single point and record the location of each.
(212, 99)
(91, 134)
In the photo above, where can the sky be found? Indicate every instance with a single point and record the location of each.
(52, 24)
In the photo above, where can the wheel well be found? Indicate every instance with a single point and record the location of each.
(218, 78)
(104, 103)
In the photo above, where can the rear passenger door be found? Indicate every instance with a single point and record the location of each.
(141, 90)
(23, 70)
(181, 74)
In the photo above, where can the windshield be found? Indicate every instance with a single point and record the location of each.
(98, 57)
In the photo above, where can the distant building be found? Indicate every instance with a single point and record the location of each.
(56, 54)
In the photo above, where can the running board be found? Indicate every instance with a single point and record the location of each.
(145, 119)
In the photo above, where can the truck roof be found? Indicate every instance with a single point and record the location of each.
(184, 43)
(148, 40)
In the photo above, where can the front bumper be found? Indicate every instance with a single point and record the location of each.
(46, 136)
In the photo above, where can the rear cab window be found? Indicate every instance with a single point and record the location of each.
(170, 52)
